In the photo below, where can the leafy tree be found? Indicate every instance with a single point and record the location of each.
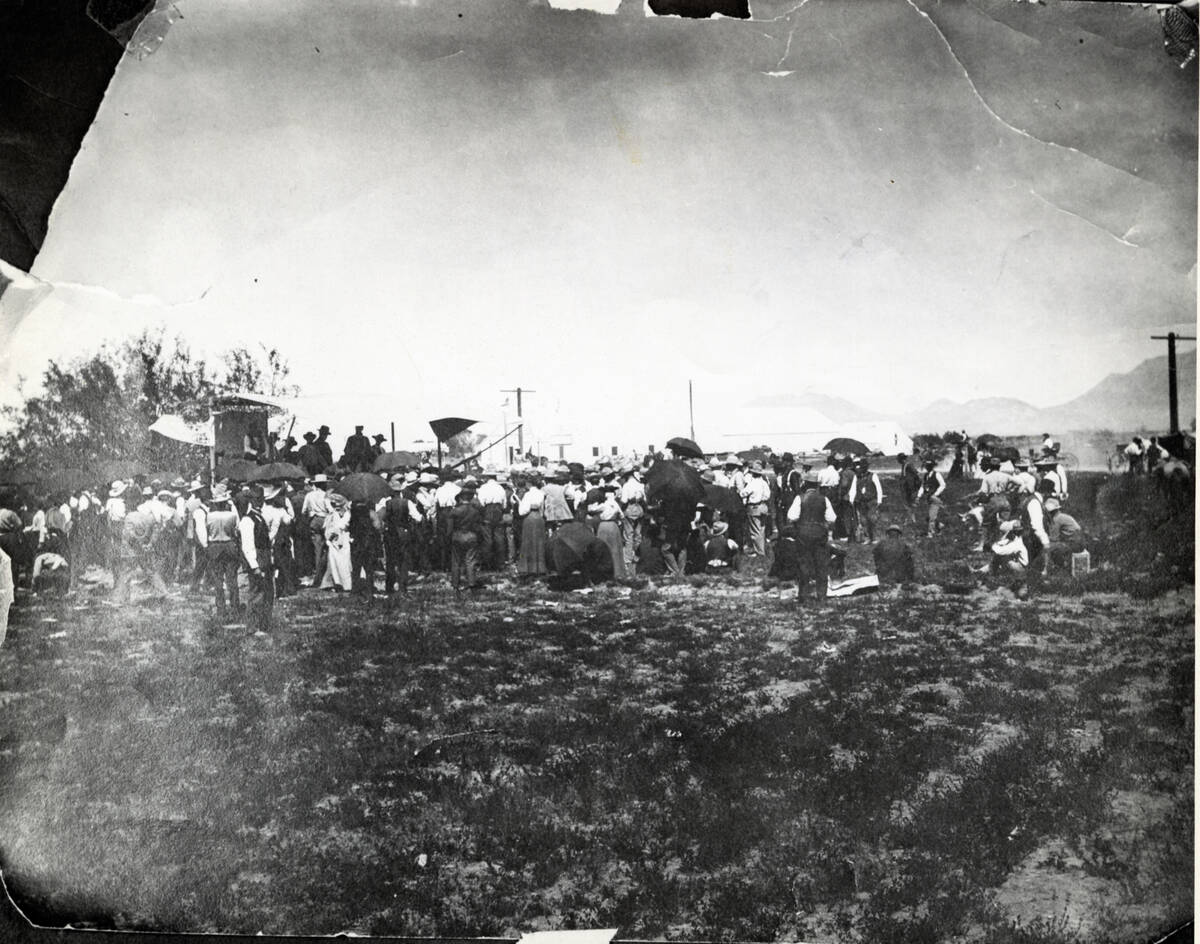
(98, 408)
(463, 445)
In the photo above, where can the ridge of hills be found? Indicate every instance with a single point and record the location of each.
(1123, 402)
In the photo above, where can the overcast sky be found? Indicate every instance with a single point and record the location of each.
(421, 204)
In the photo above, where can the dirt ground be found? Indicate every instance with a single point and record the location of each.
(700, 759)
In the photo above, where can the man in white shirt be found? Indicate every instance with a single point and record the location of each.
(632, 497)
(756, 494)
(314, 510)
(1134, 455)
(1010, 555)
(828, 476)
(445, 497)
(494, 499)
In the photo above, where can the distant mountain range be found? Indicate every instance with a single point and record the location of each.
(1120, 402)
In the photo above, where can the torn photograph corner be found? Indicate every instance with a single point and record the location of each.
(706, 471)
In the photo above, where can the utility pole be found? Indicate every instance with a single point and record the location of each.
(520, 429)
(1172, 382)
(691, 414)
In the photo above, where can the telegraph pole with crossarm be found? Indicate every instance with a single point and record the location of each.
(520, 428)
(1172, 383)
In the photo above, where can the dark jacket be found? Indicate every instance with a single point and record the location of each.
(894, 560)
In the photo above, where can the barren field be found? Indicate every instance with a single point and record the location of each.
(702, 759)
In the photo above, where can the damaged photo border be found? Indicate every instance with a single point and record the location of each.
(140, 29)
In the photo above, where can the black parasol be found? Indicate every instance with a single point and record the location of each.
(672, 481)
(363, 487)
(685, 447)
(449, 426)
(575, 547)
(725, 500)
(846, 444)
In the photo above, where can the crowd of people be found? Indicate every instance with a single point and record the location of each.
(534, 521)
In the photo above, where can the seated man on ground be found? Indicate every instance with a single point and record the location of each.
(894, 558)
(1066, 536)
(52, 565)
(1010, 556)
(720, 551)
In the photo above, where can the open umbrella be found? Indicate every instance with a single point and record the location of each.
(449, 426)
(685, 447)
(364, 487)
(725, 500)
(574, 546)
(673, 481)
(852, 447)
(276, 470)
(240, 470)
(401, 459)
(988, 439)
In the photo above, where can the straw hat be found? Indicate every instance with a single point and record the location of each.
(117, 490)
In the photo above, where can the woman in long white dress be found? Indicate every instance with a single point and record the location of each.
(338, 573)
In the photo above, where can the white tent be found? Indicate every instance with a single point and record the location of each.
(800, 430)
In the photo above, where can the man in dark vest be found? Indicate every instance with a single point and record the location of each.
(254, 537)
(847, 491)
(813, 517)
(399, 516)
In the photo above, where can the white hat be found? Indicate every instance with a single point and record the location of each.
(117, 490)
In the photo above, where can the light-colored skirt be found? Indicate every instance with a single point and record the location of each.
(610, 533)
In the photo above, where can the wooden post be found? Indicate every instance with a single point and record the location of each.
(1172, 379)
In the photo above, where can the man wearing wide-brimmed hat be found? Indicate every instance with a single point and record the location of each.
(280, 516)
(756, 494)
(632, 496)
(315, 509)
(216, 533)
(324, 449)
(309, 456)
